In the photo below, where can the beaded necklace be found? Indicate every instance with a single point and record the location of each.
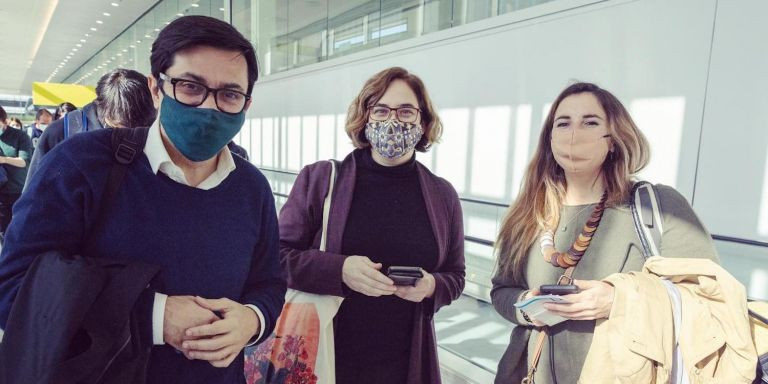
(574, 254)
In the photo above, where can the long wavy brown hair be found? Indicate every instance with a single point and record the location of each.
(544, 185)
(374, 89)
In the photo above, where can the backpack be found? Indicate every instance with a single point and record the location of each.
(75, 319)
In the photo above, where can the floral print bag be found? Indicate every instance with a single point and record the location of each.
(300, 350)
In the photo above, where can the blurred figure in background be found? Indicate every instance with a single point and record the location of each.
(122, 100)
(42, 119)
(15, 123)
(15, 150)
(62, 110)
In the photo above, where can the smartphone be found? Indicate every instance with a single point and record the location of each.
(559, 290)
(402, 275)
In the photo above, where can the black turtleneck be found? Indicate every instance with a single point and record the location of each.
(388, 223)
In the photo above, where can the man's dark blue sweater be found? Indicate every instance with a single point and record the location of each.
(215, 243)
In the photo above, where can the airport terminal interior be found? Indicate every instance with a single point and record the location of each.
(692, 74)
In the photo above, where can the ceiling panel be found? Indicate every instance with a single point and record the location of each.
(37, 35)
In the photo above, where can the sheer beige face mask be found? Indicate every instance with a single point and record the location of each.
(579, 149)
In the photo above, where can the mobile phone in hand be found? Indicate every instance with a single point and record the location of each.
(402, 275)
(560, 290)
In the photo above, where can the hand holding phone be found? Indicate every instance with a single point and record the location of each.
(404, 276)
(560, 290)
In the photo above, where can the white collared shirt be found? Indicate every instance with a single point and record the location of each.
(160, 161)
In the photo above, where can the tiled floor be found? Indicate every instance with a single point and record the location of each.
(472, 330)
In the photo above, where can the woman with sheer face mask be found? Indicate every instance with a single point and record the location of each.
(577, 187)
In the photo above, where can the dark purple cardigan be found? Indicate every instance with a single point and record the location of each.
(310, 270)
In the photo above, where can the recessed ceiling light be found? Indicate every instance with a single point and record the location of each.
(99, 22)
(194, 5)
(179, 14)
(115, 4)
(87, 34)
(74, 49)
(138, 41)
(94, 29)
(132, 46)
(125, 50)
(167, 22)
(78, 45)
(157, 29)
(106, 14)
(148, 36)
(119, 54)
(82, 40)
(221, 9)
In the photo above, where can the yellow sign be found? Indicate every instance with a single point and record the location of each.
(56, 93)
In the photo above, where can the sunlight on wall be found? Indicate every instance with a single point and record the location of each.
(268, 143)
(477, 226)
(545, 111)
(245, 136)
(255, 147)
(758, 284)
(343, 142)
(326, 137)
(490, 136)
(282, 143)
(762, 221)
(479, 251)
(522, 144)
(293, 143)
(308, 140)
(451, 152)
(661, 121)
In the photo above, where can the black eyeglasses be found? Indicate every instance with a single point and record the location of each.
(193, 94)
(403, 114)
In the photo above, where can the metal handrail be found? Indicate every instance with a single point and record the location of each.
(728, 239)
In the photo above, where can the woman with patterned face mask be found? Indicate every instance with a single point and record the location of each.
(573, 211)
(387, 210)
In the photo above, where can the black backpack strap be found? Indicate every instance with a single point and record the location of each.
(127, 144)
(646, 212)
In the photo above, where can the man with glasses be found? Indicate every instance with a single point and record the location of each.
(207, 218)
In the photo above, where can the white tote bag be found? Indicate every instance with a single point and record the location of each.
(301, 347)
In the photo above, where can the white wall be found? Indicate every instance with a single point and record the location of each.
(493, 80)
(683, 67)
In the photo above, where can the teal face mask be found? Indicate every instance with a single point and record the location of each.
(198, 133)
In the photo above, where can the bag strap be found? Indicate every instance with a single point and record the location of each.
(335, 165)
(83, 122)
(646, 213)
(126, 145)
(566, 278)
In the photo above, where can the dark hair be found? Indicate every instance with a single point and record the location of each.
(123, 99)
(374, 89)
(63, 108)
(3, 115)
(41, 112)
(191, 31)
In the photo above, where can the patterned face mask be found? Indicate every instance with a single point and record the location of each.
(393, 139)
